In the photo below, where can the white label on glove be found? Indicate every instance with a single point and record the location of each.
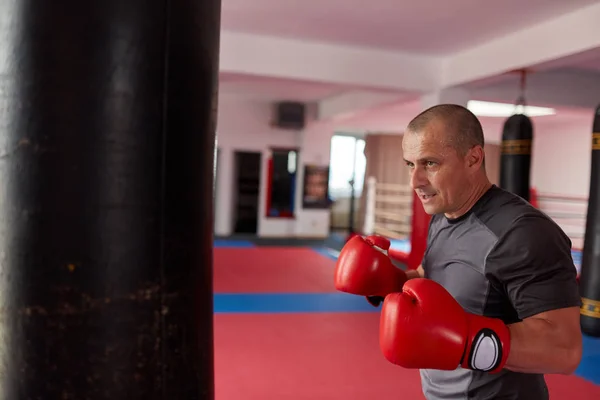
(485, 354)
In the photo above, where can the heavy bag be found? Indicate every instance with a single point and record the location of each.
(590, 264)
(515, 161)
(107, 139)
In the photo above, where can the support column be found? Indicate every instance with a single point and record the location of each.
(106, 184)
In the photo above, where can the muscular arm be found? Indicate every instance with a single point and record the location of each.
(546, 343)
(532, 264)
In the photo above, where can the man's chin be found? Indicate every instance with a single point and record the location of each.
(430, 209)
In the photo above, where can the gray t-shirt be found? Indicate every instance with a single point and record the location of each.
(503, 259)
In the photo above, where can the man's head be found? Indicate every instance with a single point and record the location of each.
(443, 146)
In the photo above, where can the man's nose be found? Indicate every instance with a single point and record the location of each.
(417, 178)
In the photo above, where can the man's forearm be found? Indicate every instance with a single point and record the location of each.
(537, 346)
(412, 274)
(415, 273)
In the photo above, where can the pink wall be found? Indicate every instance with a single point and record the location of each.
(561, 159)
(245, 124)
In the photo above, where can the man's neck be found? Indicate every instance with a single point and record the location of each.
(477, 191)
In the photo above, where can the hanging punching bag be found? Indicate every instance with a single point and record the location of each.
(515, 161)
(590, 264)
(106, 184)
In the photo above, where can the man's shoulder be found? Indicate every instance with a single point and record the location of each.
(498, 211)
(506, 216)
(520, 227)
(503, 212)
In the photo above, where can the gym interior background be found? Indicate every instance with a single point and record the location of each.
(311, 90)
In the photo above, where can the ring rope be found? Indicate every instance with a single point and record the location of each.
(389, 209)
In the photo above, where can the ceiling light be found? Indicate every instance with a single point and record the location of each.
(490, 109)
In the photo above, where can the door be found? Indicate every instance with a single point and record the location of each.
(246, 186)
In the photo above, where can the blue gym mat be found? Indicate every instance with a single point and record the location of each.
(220, 243)
(290, 303)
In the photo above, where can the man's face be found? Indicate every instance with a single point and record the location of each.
(439, 175)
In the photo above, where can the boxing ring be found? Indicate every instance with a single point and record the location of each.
(393, 211)
(388, 210)
(570, 213)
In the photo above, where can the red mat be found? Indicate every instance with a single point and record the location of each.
(571, 388)
(323, 356)
(272, 269)
(305, 356)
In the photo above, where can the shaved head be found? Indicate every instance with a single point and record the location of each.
(443, 148)
(463, 129)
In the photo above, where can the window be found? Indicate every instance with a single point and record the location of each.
(347, 162)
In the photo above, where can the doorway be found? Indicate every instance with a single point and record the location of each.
(347, 167)
(246, 187)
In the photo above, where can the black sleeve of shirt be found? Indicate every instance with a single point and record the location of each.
(532, 263)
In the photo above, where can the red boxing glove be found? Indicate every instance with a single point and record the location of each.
(364, 268)
(425, 327)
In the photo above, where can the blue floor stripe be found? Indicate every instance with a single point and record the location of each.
(232, 243)
(290, 303)
(327, 252)
(590, 361)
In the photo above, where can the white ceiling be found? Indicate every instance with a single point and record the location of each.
(431, 27)
(273, 89)
(417, 26)
(393, 119)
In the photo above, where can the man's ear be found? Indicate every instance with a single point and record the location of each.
(475, 157)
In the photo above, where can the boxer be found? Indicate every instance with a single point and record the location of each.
(496, 303)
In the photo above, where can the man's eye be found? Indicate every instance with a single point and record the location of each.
(430, 163)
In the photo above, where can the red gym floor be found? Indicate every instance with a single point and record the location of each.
(283, 332)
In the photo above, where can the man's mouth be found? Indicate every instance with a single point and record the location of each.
(426, 196)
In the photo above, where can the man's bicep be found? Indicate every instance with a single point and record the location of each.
(533, 264)
(567, 318)
(564, 325)
(532, 339)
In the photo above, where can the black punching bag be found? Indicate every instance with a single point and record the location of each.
(515, 161)
(107, 137)
(589, 281)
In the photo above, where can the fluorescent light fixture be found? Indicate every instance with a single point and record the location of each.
(490, 109)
